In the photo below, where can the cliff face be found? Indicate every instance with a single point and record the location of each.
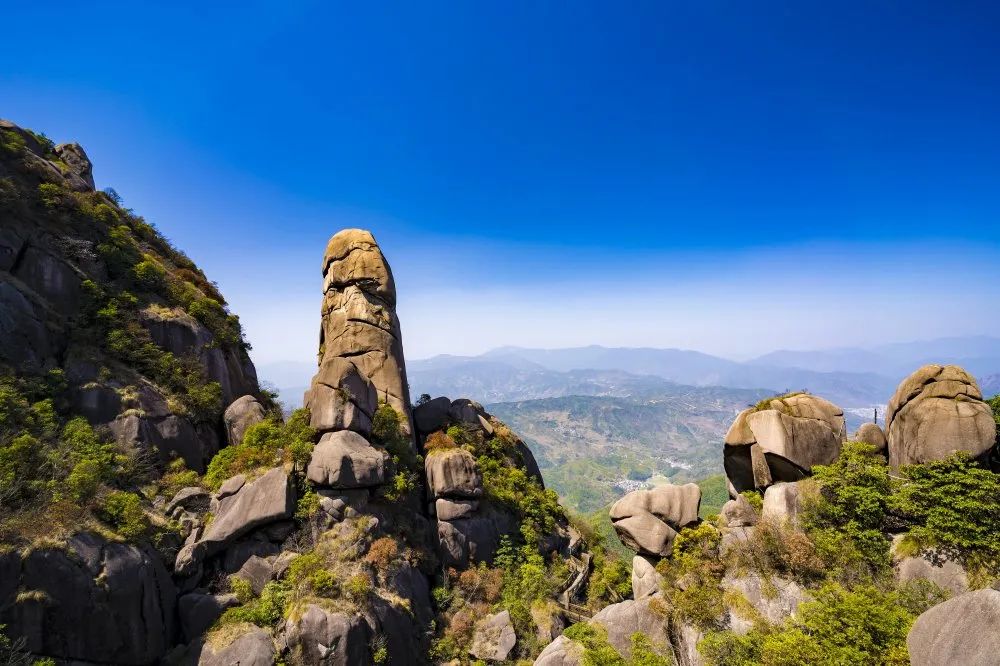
(91, 291)
(117, 360)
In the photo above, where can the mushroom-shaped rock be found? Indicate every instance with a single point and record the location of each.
(935, 412)
(646, 534)
(341, 398)
(453, 473)
(240, 415)
(254, 648)
(871, 433)
(647, 521)
(781, 439)
(320, 636)
(345, 459)
(963, 630)
(359, 319)
(494, 637)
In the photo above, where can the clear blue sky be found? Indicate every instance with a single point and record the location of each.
(728, 176)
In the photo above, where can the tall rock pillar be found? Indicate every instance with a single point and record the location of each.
(359, 328)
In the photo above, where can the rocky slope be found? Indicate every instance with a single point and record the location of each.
(822, 556)
(158, 509)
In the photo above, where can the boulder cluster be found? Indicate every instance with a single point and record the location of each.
(769, 449)
(781, 439)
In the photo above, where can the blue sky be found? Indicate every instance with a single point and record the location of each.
(727, 176)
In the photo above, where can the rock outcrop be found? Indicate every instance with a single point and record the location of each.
(937, 411)
(345, 460)
(494, 637)
(647, 521)
(781, 439)
(91, 600)
(240, 415)
(359, 328)
(963, 630)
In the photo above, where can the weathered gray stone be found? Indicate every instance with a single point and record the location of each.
(782, 440)
(963, 630)
(254, 648)
(675, 505)
(431, 416)
(446, 509)
(73, 156)
(198, 611)
(943, 572)
(359, 319)
(231, 486)
(453, 473)
(467, 540)
(194, 498)
(265, 500)
(635, 615)
(646, 534)
(95, 601)
(341, 398)
(935, 412)
(872, 434)
(494, 637)
(777, 602)
(783, 503)
(646, 580)
(345, 459)
(561, 652)
(738, 512)
(244, 412)
(324, 637)
(256, 571)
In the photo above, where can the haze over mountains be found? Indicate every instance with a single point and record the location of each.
(851, 377)
(600, 419)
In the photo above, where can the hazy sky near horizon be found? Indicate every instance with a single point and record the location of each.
(724, 176)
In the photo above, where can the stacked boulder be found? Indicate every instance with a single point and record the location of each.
(935, 412)
(647, 521)
(468, 528)
(360, 345)
(360, 363)
(251, 518)
(781, 439)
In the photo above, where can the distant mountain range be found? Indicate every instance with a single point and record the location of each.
(599, 419)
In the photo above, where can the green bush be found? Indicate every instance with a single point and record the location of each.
(860, 626)
(953, 509)
(847, 519)
(260, 446)
(149, 275)
(11, 143)
(264, 611)
(124, 512)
